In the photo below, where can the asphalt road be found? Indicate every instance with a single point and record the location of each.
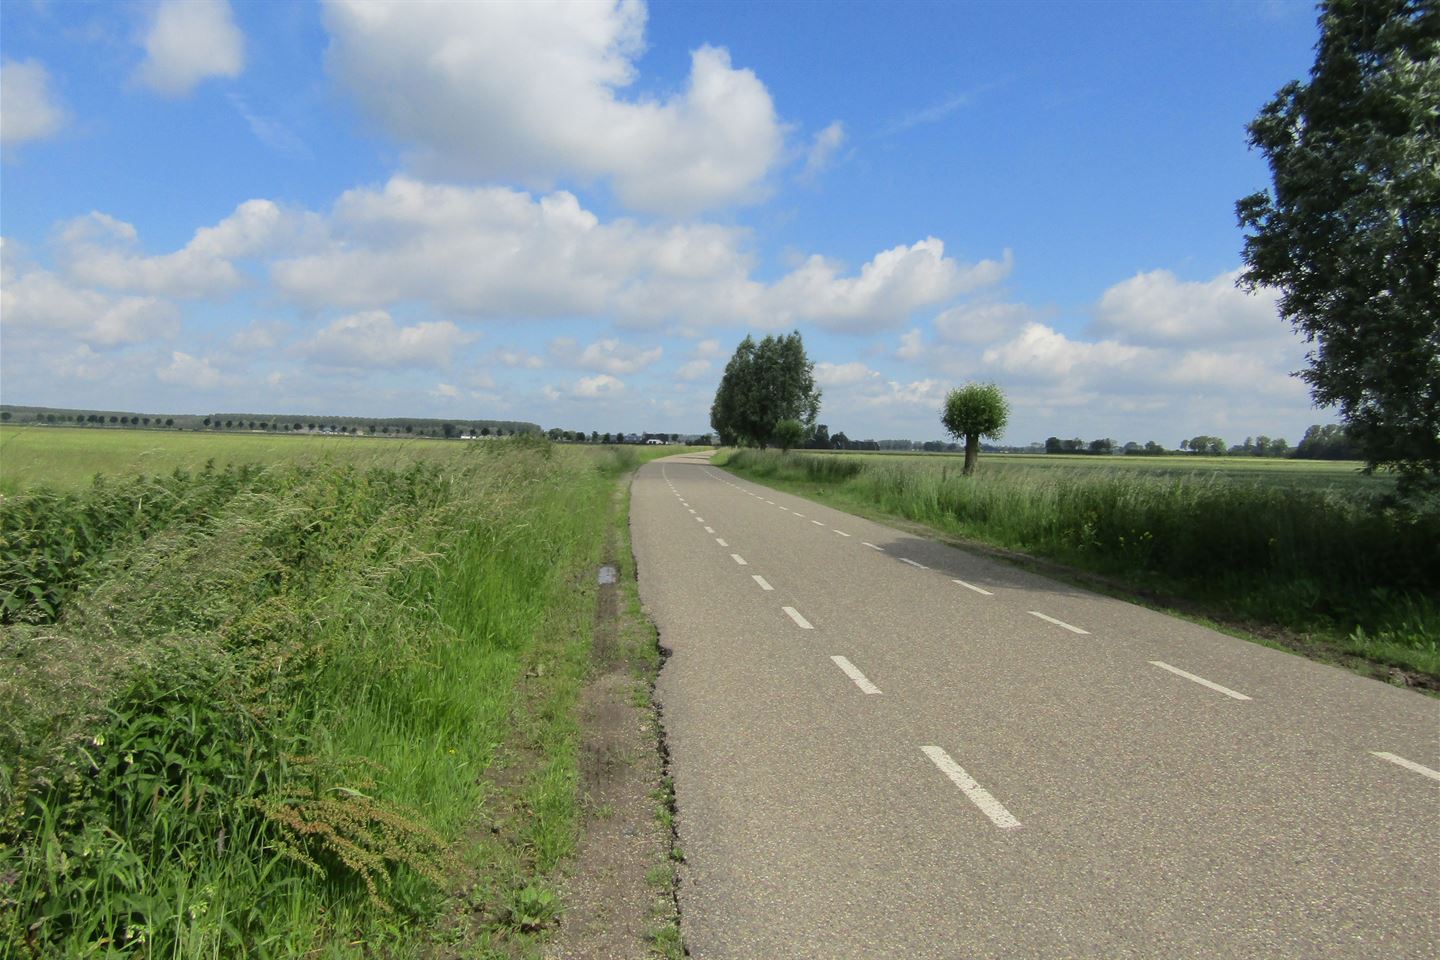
(886, 747)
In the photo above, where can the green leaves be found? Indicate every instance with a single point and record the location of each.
(764, 383)
(1350, 233)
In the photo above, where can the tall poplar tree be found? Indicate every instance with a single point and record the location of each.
(763, 384)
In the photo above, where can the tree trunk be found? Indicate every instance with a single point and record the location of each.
(972, 452)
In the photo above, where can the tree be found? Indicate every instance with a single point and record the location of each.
(1351, 233)
(764, 383)
(788, 433)
(973, 411)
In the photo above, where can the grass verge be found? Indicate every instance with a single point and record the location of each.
(1337, 575)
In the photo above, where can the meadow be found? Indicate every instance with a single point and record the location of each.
(291, 696)
(1312, 554)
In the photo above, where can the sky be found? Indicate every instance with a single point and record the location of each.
(571, 213)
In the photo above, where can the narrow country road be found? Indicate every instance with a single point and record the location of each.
(886, 747)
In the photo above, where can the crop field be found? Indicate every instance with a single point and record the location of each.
(1309, 549)
(292, 696)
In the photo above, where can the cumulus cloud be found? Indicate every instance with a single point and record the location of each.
(187, 42)
(842, 374)
(186, 371)
(533, 91)
(29, 109)
(37, 302)
(1159, 308)
(604, 356)
(692, 369)
(973, 323)
(600, 385)
(99, 250)
(373, 339)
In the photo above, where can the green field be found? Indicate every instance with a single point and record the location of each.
(323, 703)
(1312, 554)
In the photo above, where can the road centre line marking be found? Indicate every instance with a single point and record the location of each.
(842, 533)
(913, 563)
(692, 510)
(739, 559)
(699, 519)
(799, 514)
(800, 621)
(1200, 680)
(971, 586)
(786, 509)
(872, 546)
(817, 523)
(1408, 764)
(724, 544)
(977, 794)
(761, 580)
(1059, 623)
(854, 673)
(709, 529)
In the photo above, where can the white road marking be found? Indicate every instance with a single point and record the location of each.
(842, 533)
(800, 621)
(872, 546)
(739, 559)
(971, 586)
(1408, 765)
(854, 673)
(724, 544)
(1059, 623)
(761, 580)
(699, 519)
(978, 795)
(786, 509)
(1200, 680)
(692, 510)
(709, 529)
(913, 563)
(799, 514)
(817, 523)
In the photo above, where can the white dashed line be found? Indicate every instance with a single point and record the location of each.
(724, 544)
(913, 563)
(761, 580)
(978, 795)
(692, 510)
(1408, 764)
(872, 546)
(709, 529)
(842, 533)
(786, 509)
(854, 673)
(799, 514)
(1200, 680)
(817, 523)
(971, 586)
(800, 621)
(1059, 623)
(738, 559)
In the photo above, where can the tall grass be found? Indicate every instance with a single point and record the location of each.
(1302, 557)
(262, 729)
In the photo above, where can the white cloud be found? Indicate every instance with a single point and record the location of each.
(822, 150)
(517, 359)
(258, 337)
(1041, 353)
(600, 385)
(446, 390)
(693, 369)
(99, 250)
(973, 323)
(187, 371)
(603, 356)
(29, 109)
(189, 41)
(708, 350)
(1159, 308)
(39, 303)
(842, 374)
(531, 91)
(912, 345)
(373, 339)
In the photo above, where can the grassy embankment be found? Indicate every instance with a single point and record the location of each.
(319, 706)
(1297, 552)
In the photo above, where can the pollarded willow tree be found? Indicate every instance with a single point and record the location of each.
(973, 411)
(764, 383)
(1350, 233)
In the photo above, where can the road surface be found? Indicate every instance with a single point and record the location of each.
(886, 747)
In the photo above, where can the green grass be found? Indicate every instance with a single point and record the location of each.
(1311, 549)
(309, 707)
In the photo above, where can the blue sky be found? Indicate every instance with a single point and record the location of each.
(571, 213)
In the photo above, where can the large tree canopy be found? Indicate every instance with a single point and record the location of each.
(1351, 232)
(973, 411)
(764, 383)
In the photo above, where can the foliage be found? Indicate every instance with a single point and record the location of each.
(1351, 233)
(973, 411)
(763, 384)
(789, 433)
(1310, 558)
